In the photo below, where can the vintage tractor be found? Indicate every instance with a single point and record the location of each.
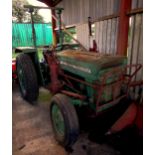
(76, 78)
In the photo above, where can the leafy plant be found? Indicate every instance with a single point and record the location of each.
(21, 15)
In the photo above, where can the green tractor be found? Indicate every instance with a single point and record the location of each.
(76, 78)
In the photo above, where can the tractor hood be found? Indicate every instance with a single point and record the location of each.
(88, 64)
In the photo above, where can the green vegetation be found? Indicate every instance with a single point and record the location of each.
(13, 54)
(40, 55)
(21, 15)
(44, 96)
(67, 38)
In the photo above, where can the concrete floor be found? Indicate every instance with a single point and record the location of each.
(32, 131)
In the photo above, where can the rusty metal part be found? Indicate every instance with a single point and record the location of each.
(54, 72)
(139, 118)
(78, 80)
(136, 83)
(53, 29)
(125, 120)
(70, 85)
(108, 104)
(114, 86)
(122, 41)
(129, 78)
(79, 96)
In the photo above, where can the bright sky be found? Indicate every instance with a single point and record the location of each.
(43, 12)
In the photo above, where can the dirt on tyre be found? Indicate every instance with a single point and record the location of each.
(27, 78)
(64, 120)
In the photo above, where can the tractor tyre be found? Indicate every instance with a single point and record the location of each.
(64, 120)
(27, 78)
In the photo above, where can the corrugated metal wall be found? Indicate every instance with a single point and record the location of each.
(78, 11)
(83, 35)
(106, 36)
(135, 47)
(135, 42)
(137, 4)
(106, 33)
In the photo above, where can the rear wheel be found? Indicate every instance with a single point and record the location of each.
(64, 120)
(27, 78)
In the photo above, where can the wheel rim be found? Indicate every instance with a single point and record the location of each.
(58, 121)
(21, 80)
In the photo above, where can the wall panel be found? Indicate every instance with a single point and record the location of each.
(78, 11)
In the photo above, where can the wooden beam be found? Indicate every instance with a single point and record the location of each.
(122, 40)
(42, 7)
(53, 29)
(135, 11)
(106, 18)
(50, 2)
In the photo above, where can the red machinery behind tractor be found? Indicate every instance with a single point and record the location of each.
(14, 75)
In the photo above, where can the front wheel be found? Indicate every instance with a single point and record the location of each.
(64, 120)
